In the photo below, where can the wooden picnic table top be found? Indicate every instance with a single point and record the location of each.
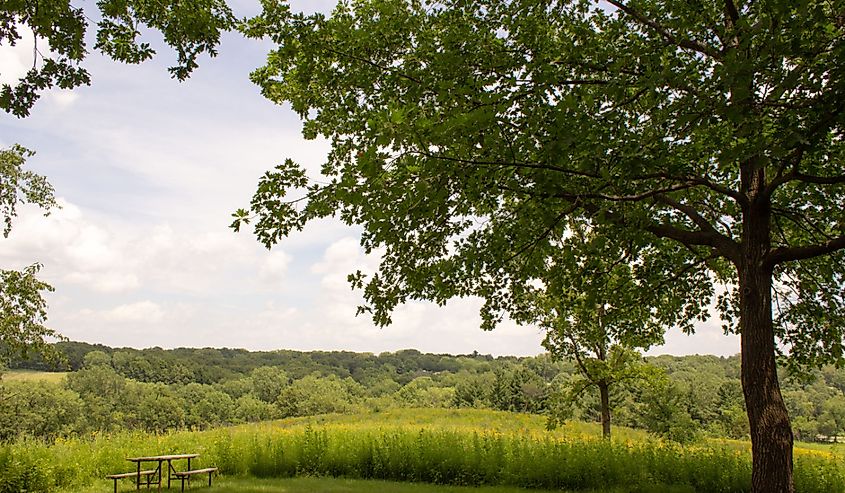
(162, 457)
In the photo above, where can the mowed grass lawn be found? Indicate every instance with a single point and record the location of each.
(341, 485)
(330, 485)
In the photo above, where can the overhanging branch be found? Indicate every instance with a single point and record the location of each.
(668, 36)
(788, 254)
(723, 245)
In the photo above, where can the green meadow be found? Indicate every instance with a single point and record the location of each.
(33, 376)
(458, 448)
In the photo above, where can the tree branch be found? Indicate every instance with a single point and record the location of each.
(578, 360)
(688, 211)
(731, 12)
(728, 249)
(560, 217)
(798, 176)
(787, 254)
(723, 245)
(832, 111)
(685, 182)
(505, 164)
(372, 64)
(625, 198)
(668, 36)
(697, 180)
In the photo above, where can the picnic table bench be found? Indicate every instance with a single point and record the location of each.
(154, 476)
(186, 475)
(148, 475)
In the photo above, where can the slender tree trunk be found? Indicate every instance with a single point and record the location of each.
(771, 433)
(604, 391)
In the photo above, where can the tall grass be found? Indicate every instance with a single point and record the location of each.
(33, 376)
(460, 448)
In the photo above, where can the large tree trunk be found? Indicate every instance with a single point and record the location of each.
(771, 433)
(604, 392)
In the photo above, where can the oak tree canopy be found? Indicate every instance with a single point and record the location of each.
(469, 137)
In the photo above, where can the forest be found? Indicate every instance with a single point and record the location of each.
(110, 389)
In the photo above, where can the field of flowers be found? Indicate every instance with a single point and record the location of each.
(454, 447)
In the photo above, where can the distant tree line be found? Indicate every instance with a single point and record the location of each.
(108, 389)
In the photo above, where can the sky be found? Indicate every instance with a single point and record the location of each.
(148, 172)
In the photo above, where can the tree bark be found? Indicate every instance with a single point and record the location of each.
(771, 433)
(604, 392)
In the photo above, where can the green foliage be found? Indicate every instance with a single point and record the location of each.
(663, 412)
(38, 409)
(205, 406)
(189, 27)
(424, 392)
(314, 395)
(444, 447)
(97, 358)
(250, 409)
(516, 388)
(104, 394)
(23, 310)
(473, 141)
(703, 389)
(515, 123)
(474, 390)
(159, 408)
(268, 382)
(19, 186)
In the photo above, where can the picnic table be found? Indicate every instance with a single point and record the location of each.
(160, 460)
(154, 476)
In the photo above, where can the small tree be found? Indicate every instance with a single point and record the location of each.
(597, 314)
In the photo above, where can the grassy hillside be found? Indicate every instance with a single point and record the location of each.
(482, 421)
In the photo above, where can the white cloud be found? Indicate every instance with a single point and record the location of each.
(141, 311)
(72, 247)
(340, 259)
(63, 98)
(105, 282)
(16, 60)
(709, 338)
(274, 267)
